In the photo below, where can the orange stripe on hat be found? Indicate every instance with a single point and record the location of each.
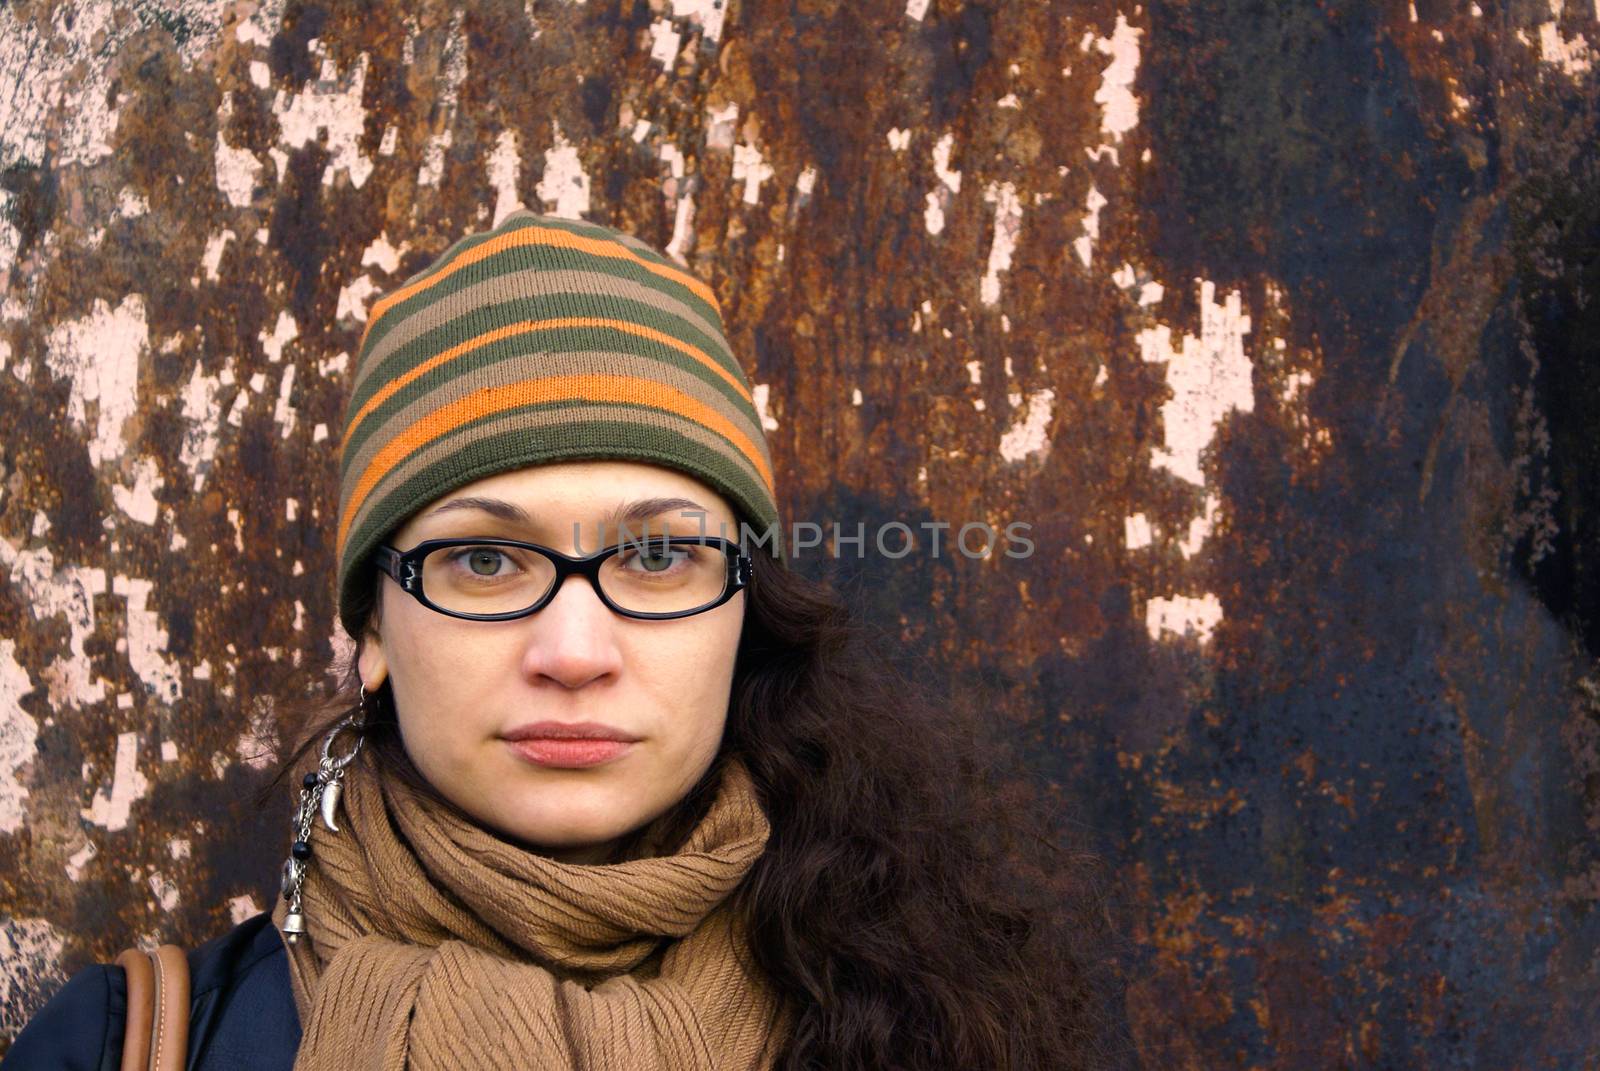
(490, 400)
(389, 389)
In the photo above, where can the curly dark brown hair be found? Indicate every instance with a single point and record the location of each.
(915, 901)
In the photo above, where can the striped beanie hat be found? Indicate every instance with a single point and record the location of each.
(543, 339)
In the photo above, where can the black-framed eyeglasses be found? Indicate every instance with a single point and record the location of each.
(653, 578)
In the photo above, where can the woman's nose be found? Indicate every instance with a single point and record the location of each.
(572, 640)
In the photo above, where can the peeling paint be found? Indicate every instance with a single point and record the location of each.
(211, 259)
(664, 41)
(139, 501)
(804, 184)
(259, 23)
(68, 592)
(18, 734)
(1084, 245)
(720, 126)
(283, 332)
(1007, 226)
(353, 299)
(1136, 532)
(933, 212)
(1183, 616)
(241, 908)
(1149, 291)
(505, 167)
(452, 73)
(940, 197)
(565, 186)
(682, 241)
(38, 93)
(241, 402)
(79, 860)
(674, 160)
(382, 255)
(1200, 528)
(199, 447)
(333, 104)
(283, 413)
(146, 640)
(1209, 376)
(165, 890)
(1571, 54)
(1119, 106)
(131, 204)
(111, 809)
(236, 170)
(749, 168)
(99, 353)
(760, 393)
(30, 951)
(1029, 436)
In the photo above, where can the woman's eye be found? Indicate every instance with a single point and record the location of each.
(482, 561)
(656, 561)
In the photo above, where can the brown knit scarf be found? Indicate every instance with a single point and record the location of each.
(432, 944)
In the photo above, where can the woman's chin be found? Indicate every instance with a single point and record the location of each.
(559, 839)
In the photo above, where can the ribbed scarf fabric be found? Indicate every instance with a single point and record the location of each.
(432, 944)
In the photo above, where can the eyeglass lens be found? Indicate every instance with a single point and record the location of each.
(647, 576)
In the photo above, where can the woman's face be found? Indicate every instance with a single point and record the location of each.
(460, 686)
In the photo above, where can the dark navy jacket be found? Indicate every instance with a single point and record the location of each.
(242, 1015)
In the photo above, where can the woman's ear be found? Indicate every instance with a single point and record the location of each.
(372, 662)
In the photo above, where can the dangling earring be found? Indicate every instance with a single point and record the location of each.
(319, 791)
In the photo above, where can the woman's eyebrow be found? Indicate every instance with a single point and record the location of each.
(627, 512)
(506, 511)
(646, 508)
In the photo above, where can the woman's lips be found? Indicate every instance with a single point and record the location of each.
(543, 751)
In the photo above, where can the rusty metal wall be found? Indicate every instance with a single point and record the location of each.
(1275, 320)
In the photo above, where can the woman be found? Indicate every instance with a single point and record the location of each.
(674, 812)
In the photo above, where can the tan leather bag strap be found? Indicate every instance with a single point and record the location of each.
(141, 1009)
(157, 1034)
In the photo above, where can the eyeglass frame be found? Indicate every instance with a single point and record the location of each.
(404, 567)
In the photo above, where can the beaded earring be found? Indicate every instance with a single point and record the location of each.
(319, 792)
